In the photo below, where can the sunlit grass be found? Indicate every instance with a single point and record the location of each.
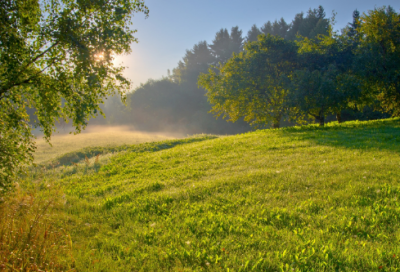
(295, 199)
(98, 136)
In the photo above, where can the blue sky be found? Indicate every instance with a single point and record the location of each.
(176, 25)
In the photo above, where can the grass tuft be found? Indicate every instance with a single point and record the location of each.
(30, 238)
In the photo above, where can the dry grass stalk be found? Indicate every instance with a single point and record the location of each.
(87, 161)
(29, 239)
(96, 160)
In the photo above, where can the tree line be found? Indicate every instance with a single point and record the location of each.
(278, 77)
(279, 74)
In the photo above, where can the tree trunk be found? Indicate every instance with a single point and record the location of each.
(339, 117)
(276, 122)
(321, 117)
(321, 121)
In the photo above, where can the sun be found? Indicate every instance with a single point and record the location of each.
(99, 56)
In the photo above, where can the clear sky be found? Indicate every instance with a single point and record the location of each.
(176, 25)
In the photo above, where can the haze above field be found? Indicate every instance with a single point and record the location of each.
(94, 136)
(175, 26)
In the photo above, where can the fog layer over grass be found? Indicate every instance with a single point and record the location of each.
(95, 136)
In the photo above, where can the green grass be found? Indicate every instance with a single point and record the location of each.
(294, 199)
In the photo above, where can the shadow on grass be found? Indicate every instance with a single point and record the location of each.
(379, 134)
(76, 156)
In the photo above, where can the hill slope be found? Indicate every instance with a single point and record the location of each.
(294, 199)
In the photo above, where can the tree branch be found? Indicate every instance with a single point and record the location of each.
(39, 56)
(2, 92)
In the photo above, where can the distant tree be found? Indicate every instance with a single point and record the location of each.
(249, 85)
(195, 61)
(159, 104)
(165, 105)
(267, 28)
(295, 26)
(236, 40)
(311, 26)
(320, 13)
(253, 34)
(57, 57)
(276, 28)
(281, 28)
(194, 106)
(220, 48)
(354, 25)
(225, 44)
(350, 34)
(315, 23)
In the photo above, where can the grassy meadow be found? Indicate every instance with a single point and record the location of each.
(96, 136)
(292, 199)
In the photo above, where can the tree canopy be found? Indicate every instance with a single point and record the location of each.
(250, 85)
(325, 81)
(378, 55)
(57, 58)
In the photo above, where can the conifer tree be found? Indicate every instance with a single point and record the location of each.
(253, 34)
(220, 47)
(236, 40)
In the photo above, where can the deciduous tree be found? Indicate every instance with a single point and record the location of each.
(250, 84)
(379, 55)
(325, 81)
(57, 57)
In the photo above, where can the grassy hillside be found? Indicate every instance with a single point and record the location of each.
(294, 199)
